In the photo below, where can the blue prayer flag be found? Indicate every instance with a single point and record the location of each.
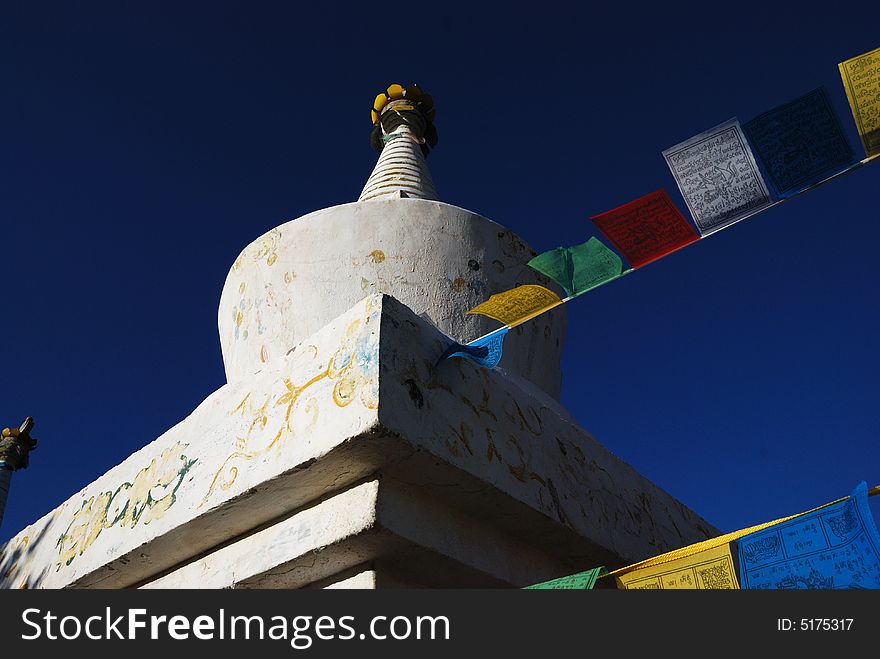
(485, 351)
(834, 547)
(800, 143)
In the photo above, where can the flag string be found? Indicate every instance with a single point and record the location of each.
(712, 543)
(848, 170)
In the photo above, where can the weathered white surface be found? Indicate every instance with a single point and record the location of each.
(435, 258)
(374, 575)
(303, 548)
(370, 521)
(365, 580)
(522, 442)
(357, 397)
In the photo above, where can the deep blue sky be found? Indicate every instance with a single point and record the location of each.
(144, 145)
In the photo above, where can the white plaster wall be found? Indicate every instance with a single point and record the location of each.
(435, 258)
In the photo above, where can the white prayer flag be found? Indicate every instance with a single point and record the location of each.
(718, 177)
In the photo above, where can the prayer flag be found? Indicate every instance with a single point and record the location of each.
(836, 546)
(580, 268)
(711, 569)
(647, 228)
(485, 351)
(518, 305)
(718, 177)
(580, 581)
(800, 143)
(861, 79)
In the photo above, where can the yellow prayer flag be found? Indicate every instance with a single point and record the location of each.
(861, 79)
(518, 305)
(706, 547)
(711, 569)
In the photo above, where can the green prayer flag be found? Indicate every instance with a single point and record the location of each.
(579, 581)
(580, 268)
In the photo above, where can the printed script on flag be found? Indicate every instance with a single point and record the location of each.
(836, 546)
(718, 177)
(580, 581)
(580, 268)
(861, 79)
(647, 228)
(518, 305)
(711, 569)
(799, 143)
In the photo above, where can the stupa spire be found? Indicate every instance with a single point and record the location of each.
(403, 131)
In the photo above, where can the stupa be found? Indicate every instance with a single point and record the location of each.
(339, 454)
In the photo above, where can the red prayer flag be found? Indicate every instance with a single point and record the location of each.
(647, 228)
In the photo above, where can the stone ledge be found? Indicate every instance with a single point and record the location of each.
(370, 521)
(360, 396)
(514, 439)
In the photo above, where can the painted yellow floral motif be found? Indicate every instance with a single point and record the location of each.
(354, 370)
(145, 499)
(268, 246)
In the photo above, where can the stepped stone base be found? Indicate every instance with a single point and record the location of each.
(354, 462)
